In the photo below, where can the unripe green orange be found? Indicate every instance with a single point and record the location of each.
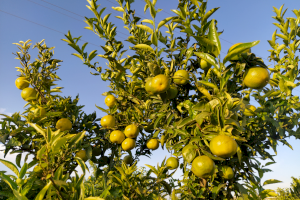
(82, 154)
(21, 83)
(128, 160)
(28, 94)
(172, 163)
(181, 77)
(64, 124)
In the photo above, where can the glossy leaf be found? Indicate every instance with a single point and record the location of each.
(11, 166)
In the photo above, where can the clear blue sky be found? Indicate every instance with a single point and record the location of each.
(242, 21)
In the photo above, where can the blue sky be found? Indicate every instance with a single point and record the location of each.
(242, 21)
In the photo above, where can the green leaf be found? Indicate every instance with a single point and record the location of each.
(77, 138)
(11, 166)
(239, 154)
(57, 144)
(158, 120)
(167, 186)
(152, 10)
(239, 49)
(195, 2)
(7, 180)
(214, 37)
(102, 109)
(28, 185)
(19, 196)
(208, 58)
(201, 117)
(211, 85)
(41, 152)
(216, 189)
(148, 21)
(185, 122)
(153, 169)
(144, 47)
(93, 198)
(58, 172)
(271, 181)
(241, 189)
(283, 36)
(120, 9)
(42, 193)
(232, 122)
(18, 160)
(212, 156)
(205, 42)
(154, 39)
(23, 171)
(208, 14)
(189, 153)
(178, 13)
(163, 22)
(38, 129)
(81, 164)
(145, 28)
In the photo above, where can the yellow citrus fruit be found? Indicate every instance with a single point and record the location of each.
(131, 131)
(82, 154)
(181, 77)
(128, 160)
(108, 121)
(110, 101)
(172, 163)
(204, 65)
(128, 144)
(28, 94)
(223, 146)
(39, 111)
(172, 92)
(236, 57)
(117, 137)
(203, 166)
(64, 124)
(256, 77)
(227, 172)
(153, 144)
(148, 86)
(249, 109)
(160, 83)
(21, 83)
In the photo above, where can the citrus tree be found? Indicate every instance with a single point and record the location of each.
(195, 102)
(53, 134)
(183, 97)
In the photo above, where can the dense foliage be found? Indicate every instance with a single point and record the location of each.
(184, 95)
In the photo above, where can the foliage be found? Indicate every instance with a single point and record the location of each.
(292, 193)
(211, 103)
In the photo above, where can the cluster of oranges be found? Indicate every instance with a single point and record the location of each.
(127, 137)
(27, 93)
(203, 166)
